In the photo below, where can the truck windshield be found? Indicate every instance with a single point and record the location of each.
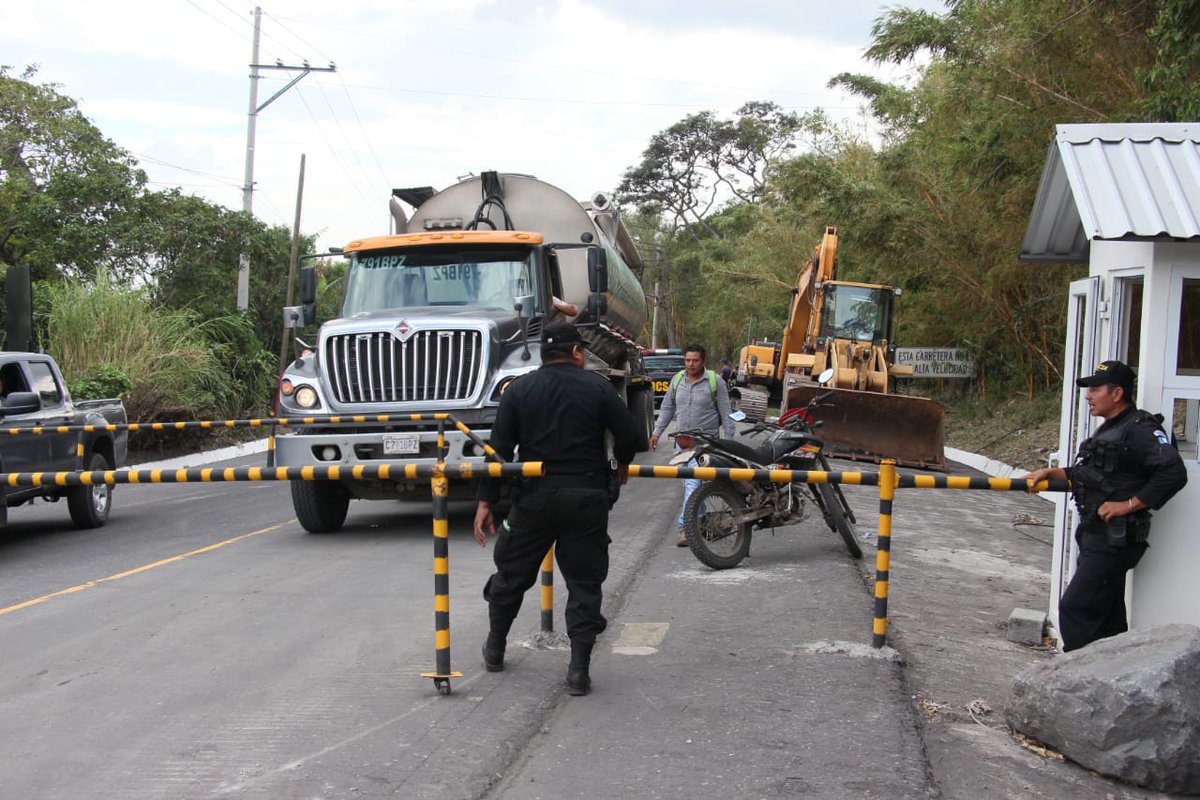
(856, 312)
(438, 277)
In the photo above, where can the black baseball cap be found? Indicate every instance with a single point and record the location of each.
(1114, 372)
(561, 332)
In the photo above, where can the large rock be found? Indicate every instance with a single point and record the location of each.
(1127, 706)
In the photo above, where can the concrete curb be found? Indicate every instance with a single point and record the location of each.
(990, 466)
(208, 457)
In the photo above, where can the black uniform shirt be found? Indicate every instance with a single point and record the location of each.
(558, 415)
(1149, 466)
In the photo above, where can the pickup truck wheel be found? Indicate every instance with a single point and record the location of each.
(89, 505)
(320, 506)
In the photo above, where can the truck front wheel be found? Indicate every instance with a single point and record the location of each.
(89, 505)
(320, 506)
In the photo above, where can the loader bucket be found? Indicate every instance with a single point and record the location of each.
(870, 426)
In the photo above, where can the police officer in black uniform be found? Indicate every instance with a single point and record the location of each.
(1128, 467)
(558, 415)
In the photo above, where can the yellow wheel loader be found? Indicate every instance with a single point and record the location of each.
(846, 326)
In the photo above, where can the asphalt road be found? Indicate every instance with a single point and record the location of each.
(203, 645)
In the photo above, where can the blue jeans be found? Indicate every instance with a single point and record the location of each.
(689, 485)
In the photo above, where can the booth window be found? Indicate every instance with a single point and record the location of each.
(1187, 359)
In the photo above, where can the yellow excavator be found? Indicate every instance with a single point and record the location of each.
(847, 327)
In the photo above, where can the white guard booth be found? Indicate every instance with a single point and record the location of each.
(1125, 199)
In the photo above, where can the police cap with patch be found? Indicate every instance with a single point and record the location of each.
(1114, 372)
(561, 332)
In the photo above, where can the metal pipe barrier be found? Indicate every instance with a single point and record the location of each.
(548, 591)
(887, 479)
(883, 550)
(438, 475)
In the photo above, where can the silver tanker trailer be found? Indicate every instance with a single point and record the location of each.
(442, 315)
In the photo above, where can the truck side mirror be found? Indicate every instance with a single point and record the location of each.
(21, 403)
(308, 294)
(597, 262)
(597, 307)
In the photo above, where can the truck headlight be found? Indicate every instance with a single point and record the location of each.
(306, 397)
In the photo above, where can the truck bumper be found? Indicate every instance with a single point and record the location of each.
(346, 449)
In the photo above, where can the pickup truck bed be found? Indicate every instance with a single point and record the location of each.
(33, 394)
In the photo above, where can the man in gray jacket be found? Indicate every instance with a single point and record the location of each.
(697, 400)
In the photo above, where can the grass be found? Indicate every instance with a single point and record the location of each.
(1014, 430)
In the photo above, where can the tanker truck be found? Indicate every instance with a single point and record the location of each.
(442, 315)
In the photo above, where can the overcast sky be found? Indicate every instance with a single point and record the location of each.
(568, 90)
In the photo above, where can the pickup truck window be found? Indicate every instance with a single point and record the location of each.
(12, 380)
(44, 383)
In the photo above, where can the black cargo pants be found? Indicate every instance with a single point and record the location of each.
(572, 515)
(1093, 606)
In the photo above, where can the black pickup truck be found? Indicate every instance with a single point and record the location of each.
(33, 394)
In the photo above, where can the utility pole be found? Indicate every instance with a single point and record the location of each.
(243, 286)
(295, 257)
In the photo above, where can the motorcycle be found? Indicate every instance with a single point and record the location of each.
(720, 514)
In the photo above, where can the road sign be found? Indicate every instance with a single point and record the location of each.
(937, 362)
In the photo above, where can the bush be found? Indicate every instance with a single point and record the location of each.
(176, 365)
(100, 382)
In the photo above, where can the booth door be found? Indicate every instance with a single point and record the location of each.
(1075, 423)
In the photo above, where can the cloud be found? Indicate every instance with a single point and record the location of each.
(424, 92)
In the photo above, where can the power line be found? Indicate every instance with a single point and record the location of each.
(337, 121)
(362, 34)
(361, 127)
(222, 178)
(331, 148)
(573, 100)
(213, 17)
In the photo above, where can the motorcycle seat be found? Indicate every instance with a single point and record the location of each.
(755, 454)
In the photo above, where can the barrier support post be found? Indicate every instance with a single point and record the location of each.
(548, 591)
(883, 551)
(440, 487)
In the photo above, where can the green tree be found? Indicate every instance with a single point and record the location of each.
(66, 192)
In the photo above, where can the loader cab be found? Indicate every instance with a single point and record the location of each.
(857, 311)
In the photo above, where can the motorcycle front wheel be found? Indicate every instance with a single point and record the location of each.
(835, 516)
(712, 521)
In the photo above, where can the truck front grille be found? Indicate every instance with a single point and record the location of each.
(377, 367)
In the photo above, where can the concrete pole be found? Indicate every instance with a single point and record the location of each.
(243, 283)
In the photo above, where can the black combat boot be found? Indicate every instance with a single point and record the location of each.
(493, 652)
(578, 680)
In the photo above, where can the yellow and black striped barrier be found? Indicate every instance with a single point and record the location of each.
(742, 474)
(394, 471)
(883, 550)
(440, 487)
(547, 586)
(887, 479)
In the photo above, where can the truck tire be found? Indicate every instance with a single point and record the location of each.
(89, 505)
(320, 506)
(641, 405)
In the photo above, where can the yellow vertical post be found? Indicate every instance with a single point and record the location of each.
(271, 445)
(883, 551)
(548, 591)
(440, 487)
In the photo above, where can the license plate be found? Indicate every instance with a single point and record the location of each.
(401, 444)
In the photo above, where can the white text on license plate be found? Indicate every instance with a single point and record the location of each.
(401, 444)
